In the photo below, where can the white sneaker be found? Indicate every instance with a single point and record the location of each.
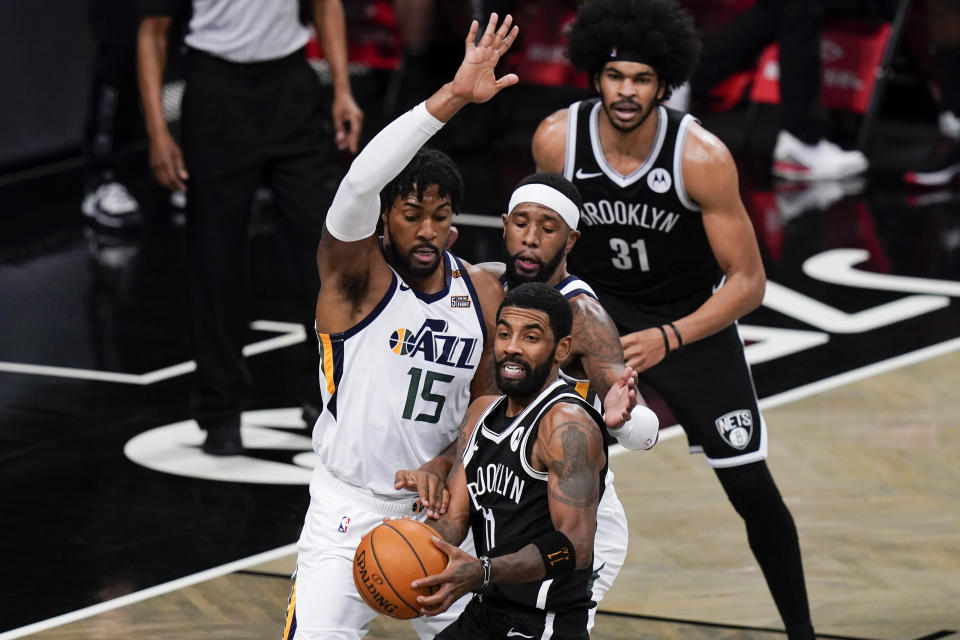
(111, 205)
(795, 160)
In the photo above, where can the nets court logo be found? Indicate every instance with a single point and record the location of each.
(431, 343)
(736, 428)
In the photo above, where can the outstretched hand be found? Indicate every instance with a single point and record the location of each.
(620, 400)
(475, 80)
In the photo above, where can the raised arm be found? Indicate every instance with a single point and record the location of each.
(331, 29)
(710, 176)
(352, 218)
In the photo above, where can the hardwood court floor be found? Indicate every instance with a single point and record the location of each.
(868, 469)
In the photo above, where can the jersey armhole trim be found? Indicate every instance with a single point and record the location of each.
(570, 152)
(685, 199)
(473, 294)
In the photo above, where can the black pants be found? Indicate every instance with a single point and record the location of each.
(796, 26)
(113, 115)
(245, 125)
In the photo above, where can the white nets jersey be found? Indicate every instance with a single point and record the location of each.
(396, 385)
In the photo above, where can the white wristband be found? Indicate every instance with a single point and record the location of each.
(640, 431)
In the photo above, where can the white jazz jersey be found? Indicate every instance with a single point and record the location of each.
(396, 385)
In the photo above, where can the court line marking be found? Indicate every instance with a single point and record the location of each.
(145, 594)
(719, 625)
(290, 333)
(777, 400)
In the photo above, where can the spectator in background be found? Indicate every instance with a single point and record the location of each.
(113, 116)
(802, 151)
(252, 112)
(942, 164)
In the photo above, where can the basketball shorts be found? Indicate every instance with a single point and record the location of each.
(609, 545)
(485, 618)
(709, 388)
(324, 603)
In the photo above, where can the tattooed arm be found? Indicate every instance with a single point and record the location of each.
(597, 344)
(569, 447)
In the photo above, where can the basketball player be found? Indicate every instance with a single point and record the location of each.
(528, 485)
(402, 326)
(663, 227)
(539, 230)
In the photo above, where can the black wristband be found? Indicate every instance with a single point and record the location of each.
(556, 550)
(677, 332)
(666, 340)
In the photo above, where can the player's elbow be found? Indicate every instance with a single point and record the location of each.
(756, 289)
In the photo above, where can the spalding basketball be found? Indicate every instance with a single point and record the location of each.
(391, 556)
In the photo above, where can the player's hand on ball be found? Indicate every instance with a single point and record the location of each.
(462, 575)
(433, 491)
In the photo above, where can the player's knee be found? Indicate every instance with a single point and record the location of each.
(751, 491)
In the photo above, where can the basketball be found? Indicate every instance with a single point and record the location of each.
(391, 556)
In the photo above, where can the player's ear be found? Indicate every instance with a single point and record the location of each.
(571, 240)
(563, 349)
(504, 217)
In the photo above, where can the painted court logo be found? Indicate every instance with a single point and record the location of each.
(736, 428)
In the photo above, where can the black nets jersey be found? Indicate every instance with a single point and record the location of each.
(508, 497)
(642, 238)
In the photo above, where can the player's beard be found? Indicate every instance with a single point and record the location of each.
(543, 274)
(644, 114)
(530, 383)
(403, 263)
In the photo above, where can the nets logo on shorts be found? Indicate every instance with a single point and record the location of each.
(736, 428)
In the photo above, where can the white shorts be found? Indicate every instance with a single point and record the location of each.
(609, 544)
(324, 602)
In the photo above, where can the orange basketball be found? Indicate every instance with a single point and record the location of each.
(391, 556)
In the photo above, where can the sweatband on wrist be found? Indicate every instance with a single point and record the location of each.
(556, 550)
(355, 210)
(640, 431)
(666, 340)
(544, 194)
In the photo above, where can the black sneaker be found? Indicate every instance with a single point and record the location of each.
(941, 166)
(223, 440)
(111, 205)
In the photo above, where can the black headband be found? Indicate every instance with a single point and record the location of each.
(622, 54)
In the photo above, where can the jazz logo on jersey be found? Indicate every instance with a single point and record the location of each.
(460, 302)
(659, 180)
(344, 523)
(736, 428)
(431, 344)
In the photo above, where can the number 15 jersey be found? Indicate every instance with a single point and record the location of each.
(396, 385)
(642, 238)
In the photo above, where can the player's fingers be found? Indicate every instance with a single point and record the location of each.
(444, 500)
(506, 81)
(472, 35)
(490, 31)
(508, 40)
(353, 138)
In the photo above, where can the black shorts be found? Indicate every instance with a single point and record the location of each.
(708, 387)
(497, 620)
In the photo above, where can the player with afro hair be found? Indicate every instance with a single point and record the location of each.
(659, 33)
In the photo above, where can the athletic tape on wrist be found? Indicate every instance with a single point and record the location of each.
(557, 552)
